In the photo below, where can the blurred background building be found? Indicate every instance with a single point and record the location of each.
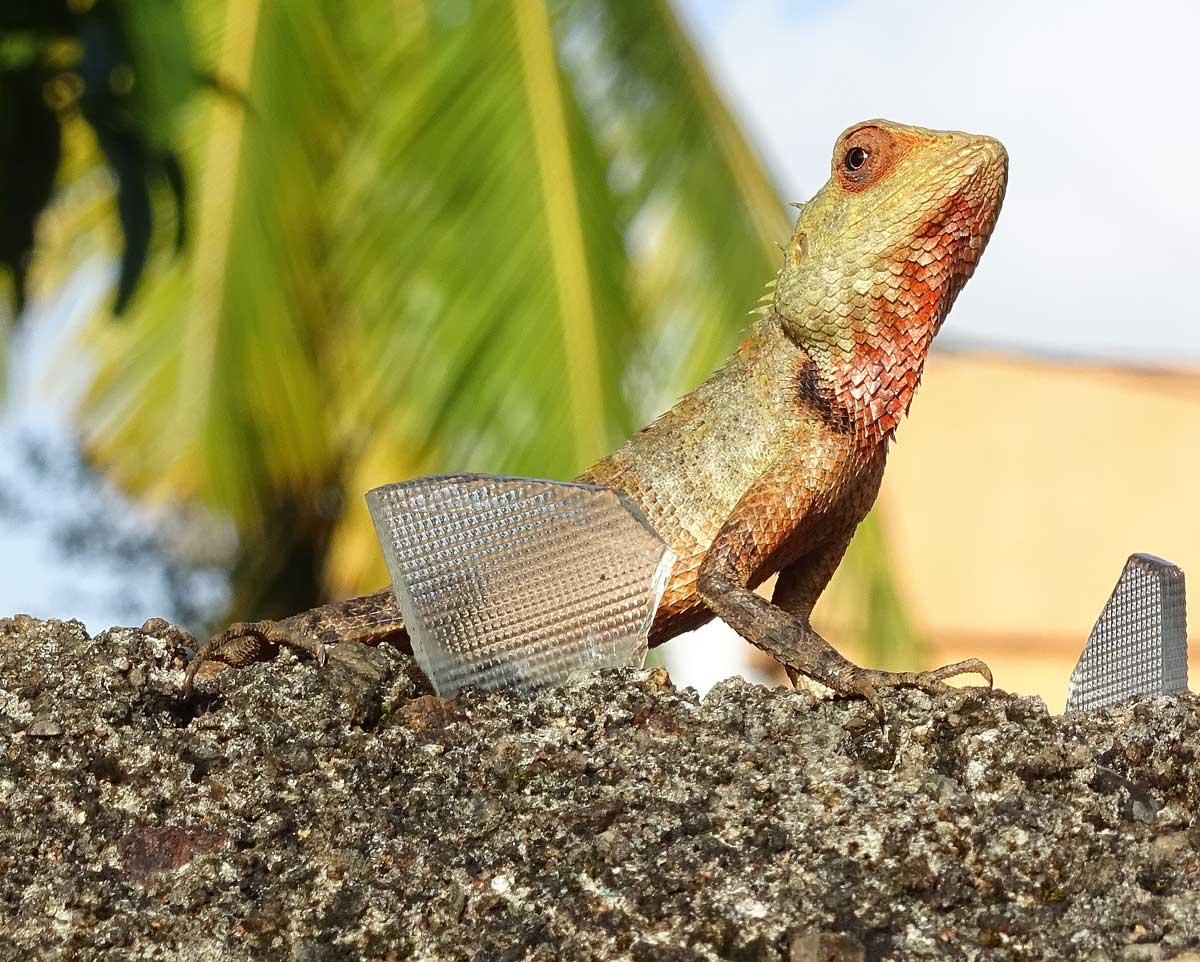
(293, 250)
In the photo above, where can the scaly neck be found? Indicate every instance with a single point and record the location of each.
(866, 370)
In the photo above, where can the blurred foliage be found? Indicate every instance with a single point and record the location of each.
(485, 235)
(125, 67)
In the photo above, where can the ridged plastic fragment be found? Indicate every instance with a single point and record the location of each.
(1139, 643)
(514, 583)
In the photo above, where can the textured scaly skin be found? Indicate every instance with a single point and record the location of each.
(769, 466)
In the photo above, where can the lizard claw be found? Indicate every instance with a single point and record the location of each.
(969, 666)
(933, 681)
(244, 643)
(867, 682)
(169, 632)
(161, 628)
(871, 694)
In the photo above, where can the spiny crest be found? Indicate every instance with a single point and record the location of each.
(766, 302)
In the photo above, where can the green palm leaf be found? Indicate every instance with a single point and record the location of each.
(484, 255)
(218, 369)
(705, 215)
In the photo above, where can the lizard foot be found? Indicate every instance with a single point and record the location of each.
(244, 643)
(867, 682)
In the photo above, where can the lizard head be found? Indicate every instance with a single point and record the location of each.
(878, 256)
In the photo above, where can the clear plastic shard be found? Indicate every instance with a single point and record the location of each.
(513, 583)
(1139, 643)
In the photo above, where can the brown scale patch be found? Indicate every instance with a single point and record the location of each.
(680, 608)
(668, 624)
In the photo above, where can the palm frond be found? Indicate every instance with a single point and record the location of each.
(485, 256)
(221, 367)
(704, 214)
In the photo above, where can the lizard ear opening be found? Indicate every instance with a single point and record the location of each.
(864, 156)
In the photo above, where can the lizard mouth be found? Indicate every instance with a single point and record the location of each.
(986, 182)
(963, 225)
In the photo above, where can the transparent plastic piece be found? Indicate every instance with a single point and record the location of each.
(1139, 643)
(513, 583)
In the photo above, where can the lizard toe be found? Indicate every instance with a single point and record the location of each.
(969, 666)
(245, 643)
(933, 682)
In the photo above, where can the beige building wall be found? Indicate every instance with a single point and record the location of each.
(1016, 491)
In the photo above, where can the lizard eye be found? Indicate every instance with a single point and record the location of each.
(864, 156)
(855, 158)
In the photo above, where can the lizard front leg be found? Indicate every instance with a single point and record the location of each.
(782, 628)
(796, 592)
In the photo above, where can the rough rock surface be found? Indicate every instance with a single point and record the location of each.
(290, 812)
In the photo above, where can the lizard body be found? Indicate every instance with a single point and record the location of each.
(769, 465)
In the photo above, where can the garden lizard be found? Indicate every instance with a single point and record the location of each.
(769, 465)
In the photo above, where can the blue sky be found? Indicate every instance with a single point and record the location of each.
(1096, 253)
(115, 574)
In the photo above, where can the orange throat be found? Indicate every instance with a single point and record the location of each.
(874, 385)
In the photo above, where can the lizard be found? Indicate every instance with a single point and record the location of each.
(770, 464)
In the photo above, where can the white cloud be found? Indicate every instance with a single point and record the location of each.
(1098, 103)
